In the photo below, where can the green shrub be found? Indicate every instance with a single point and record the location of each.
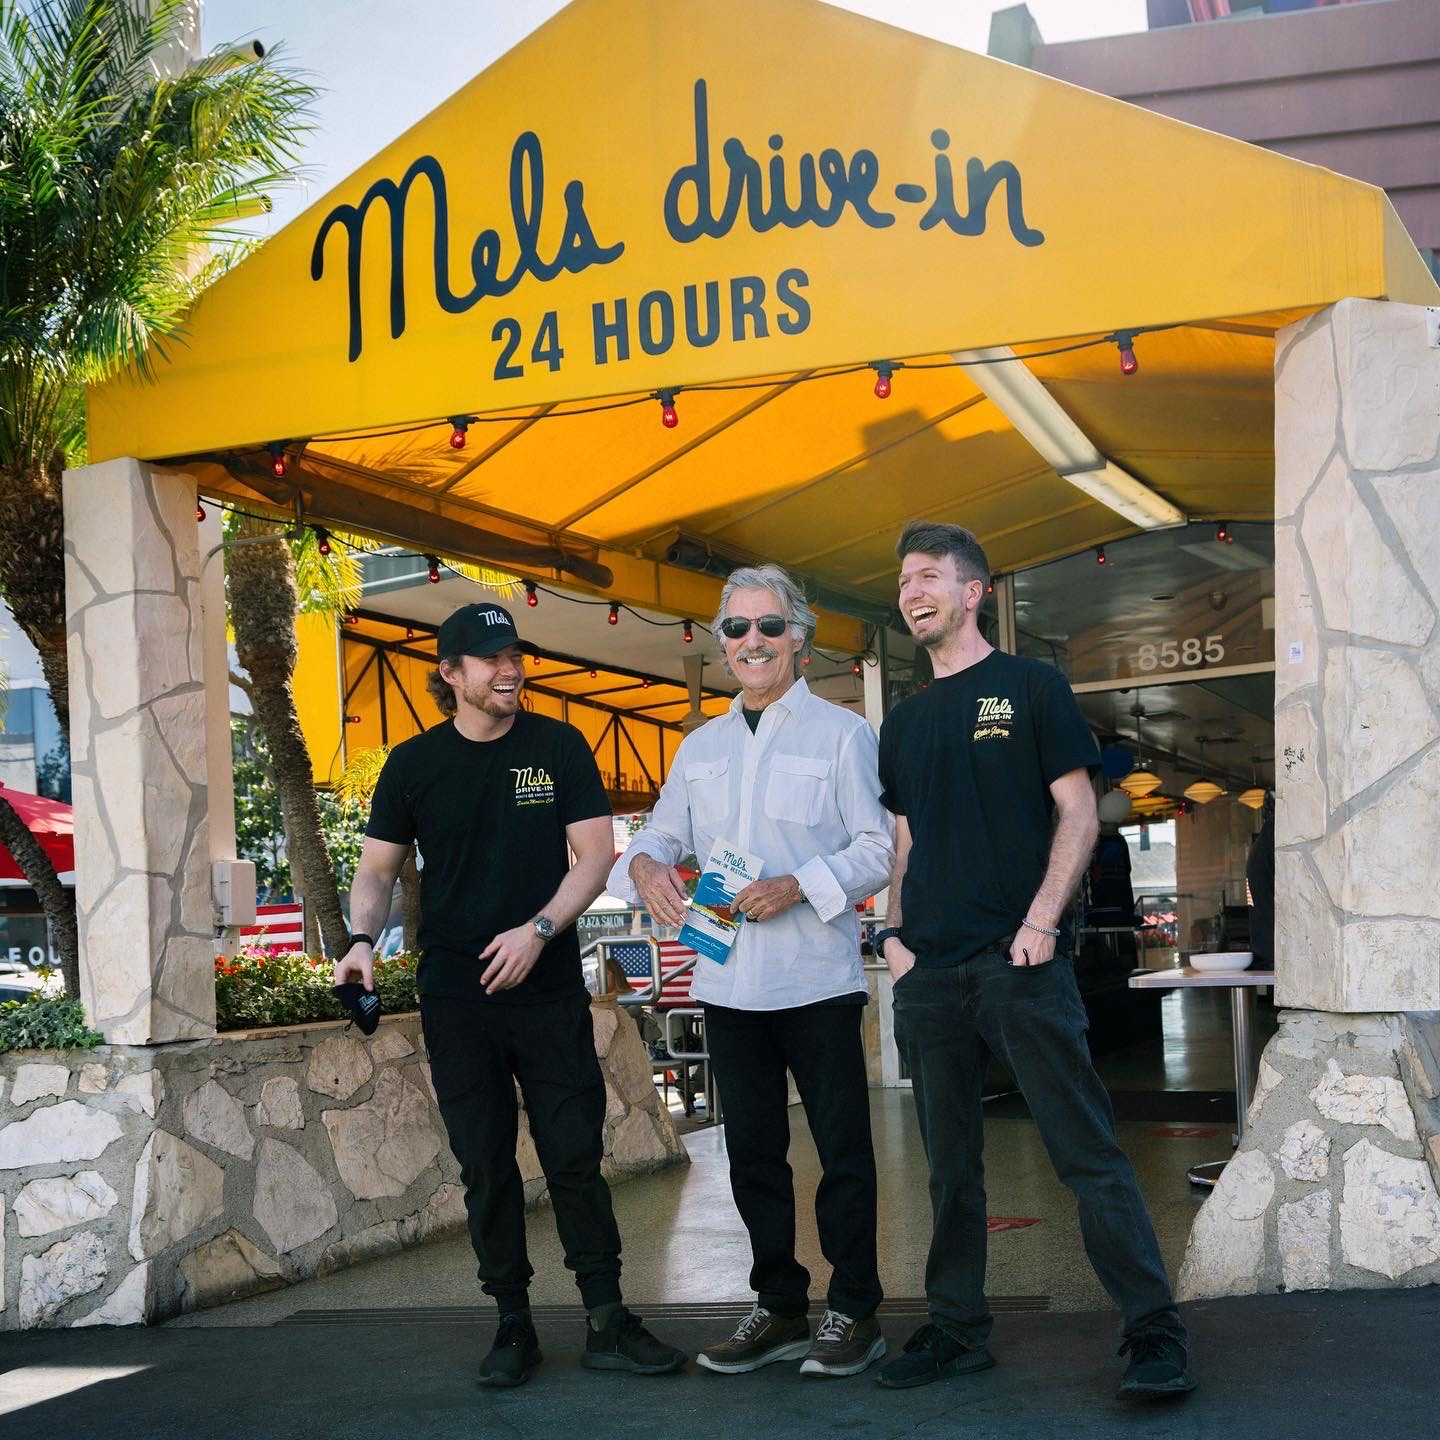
(262, 987)
(45, 1022)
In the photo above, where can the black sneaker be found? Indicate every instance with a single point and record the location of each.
(931, 1354)
(514, 1354)
(1157, 1365)
(625, 1344)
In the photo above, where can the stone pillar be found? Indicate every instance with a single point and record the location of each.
(137, 727)
(1335, 1184)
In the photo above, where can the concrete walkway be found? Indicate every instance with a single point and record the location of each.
(1316, 1366)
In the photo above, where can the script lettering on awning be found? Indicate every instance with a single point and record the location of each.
(703, 200)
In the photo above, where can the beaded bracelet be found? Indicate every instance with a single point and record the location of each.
(1031, 925)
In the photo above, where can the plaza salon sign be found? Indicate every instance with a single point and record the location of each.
(708, 197)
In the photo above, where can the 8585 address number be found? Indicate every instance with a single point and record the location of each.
(1186, 654)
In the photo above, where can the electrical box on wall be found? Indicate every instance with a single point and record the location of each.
(233, 889)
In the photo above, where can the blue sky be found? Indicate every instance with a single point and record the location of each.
(384, 64)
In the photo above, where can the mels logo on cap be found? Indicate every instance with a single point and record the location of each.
(480, 630)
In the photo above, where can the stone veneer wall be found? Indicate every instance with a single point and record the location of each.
(1335, 1184)
(136, 1183)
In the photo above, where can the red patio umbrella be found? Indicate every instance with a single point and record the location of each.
(49, 821)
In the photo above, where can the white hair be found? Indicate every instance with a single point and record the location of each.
(787, 590)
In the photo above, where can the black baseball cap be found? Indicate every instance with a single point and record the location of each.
(480, 630)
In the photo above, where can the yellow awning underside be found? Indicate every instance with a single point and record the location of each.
(740, 191)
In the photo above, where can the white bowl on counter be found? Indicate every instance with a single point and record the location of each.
(1223, 960)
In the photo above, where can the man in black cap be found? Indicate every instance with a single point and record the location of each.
(497, 799)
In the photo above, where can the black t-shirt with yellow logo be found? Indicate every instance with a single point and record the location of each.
(489, 818)
(969, 762)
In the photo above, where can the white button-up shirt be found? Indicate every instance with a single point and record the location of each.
(802, 793)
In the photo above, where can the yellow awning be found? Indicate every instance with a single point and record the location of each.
(644, 197)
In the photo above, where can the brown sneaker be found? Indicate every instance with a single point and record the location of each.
(760, 1339)
(844, 1346)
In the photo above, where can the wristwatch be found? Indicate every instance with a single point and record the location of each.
(360, 938)
(891, 932)
(544, 927)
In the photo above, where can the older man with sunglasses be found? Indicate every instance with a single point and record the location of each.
(794, 780)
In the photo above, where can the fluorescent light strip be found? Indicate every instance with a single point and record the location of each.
(1015, 391)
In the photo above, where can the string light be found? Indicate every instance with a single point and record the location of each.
(433, 563)
(668, 418)
(689, 635)
(883, 371)
(459, 424)
(1125, 340)
(856, 665)
(409, 632)
(279, 460)
(353, 719)
(199, 512)
(352, 619)
(531, 598)
(644, 684)
(1100, 555)
(805, 661)
(594, 674)
(1223, 534)
(322, 541)
(613, 618)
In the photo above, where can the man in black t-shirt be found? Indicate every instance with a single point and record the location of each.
(496, 800)
(988, 774)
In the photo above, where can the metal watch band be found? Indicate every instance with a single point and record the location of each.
(1040, 929)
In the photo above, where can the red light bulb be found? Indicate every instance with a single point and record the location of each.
(644, 684)
(199, 513)
(433, 562)
(689, 634)
(613, 618)
(531, 598)
(668, 418)
(594, 674)
(409, 633)
(322, 541)
(882, 381)
(459, 424)
(1222, 533)
(855, 668)
(806, 662)
(1100, 555)
(1126, 341)
(352, 719)
(279, 461)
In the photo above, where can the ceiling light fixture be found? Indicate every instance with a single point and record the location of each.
(1203, 791)
(1016, 392)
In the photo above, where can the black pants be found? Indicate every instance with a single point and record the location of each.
(947, 1021)
(820, 1045)
(477, 1053)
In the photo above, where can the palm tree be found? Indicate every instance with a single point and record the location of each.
(119, 198)
(261, 567)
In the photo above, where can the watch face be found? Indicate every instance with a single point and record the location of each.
(545, 927)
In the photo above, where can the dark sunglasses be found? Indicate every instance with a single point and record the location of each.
(737, 627)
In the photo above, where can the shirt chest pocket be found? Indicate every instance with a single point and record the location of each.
(708, 784)
(797, 789)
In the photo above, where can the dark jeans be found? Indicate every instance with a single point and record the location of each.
(820, 1045)
(477, 1053)
(948, 1021)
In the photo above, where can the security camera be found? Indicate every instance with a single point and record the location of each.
(231, 57)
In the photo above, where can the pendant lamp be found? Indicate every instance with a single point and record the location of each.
(1141, 781)
(1203, 791)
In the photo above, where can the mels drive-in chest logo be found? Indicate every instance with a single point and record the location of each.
(702, 200)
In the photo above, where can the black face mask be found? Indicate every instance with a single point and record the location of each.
(363, 1005)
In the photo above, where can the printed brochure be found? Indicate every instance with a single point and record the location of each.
(711, 923)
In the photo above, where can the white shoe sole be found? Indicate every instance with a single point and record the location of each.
(819, 1367)
(781, 1352)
